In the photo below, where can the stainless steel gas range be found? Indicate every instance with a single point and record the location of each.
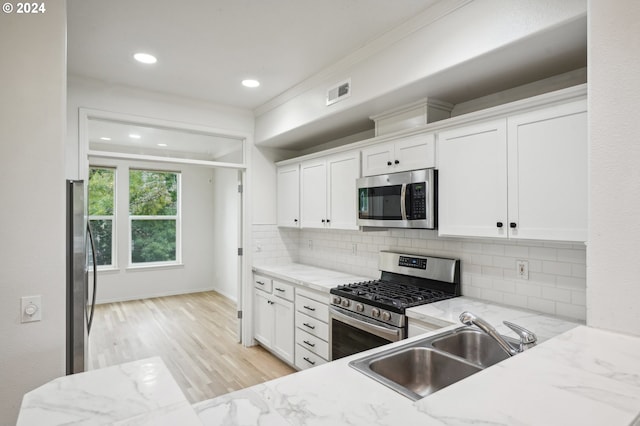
(369, 314)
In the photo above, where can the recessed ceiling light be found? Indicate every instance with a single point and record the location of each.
(105, 139)
(145, 58)
(134, 136)
(162, 144)
(250, 83)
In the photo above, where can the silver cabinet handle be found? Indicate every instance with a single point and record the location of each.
(309, 343)
(280, 289)
(309, 308)
(309, 361)
(313, 327)
(259, 282)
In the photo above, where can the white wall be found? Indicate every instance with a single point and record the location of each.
(98, 95)
(225, 220)
(197, 270)
(32, 252)
(613, 272)
(469, 32)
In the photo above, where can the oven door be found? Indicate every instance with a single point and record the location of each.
(351, 333)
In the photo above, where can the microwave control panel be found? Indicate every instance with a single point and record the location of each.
(418, 207)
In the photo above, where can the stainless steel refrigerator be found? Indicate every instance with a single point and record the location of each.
(81, 296)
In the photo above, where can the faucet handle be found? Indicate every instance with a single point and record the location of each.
(526, 337)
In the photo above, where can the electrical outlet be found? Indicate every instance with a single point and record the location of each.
(258, 246)
(522, 269)
(310, 244)
(31, 308)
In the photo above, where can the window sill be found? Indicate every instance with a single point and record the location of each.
(111, 270)
(138, 268)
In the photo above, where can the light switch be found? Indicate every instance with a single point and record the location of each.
(31, 308)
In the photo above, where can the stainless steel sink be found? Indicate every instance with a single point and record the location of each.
(421, 371)
(425, 366)
(472, 345)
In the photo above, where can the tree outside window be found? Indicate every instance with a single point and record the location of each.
(101, 191)
(154, 212)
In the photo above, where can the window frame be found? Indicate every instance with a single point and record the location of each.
(113, 217)
(177, 217)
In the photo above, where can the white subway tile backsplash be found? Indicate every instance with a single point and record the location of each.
(556, 268)
(557, 271)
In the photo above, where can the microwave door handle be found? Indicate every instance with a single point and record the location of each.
(403, 201)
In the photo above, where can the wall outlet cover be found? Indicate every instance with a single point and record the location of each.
(522, 269)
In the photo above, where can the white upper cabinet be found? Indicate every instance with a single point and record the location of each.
(548, 173)
(328, 191)
(472, 180)
(409, 153)
(313, 201)
(288, 201)
(524, 176)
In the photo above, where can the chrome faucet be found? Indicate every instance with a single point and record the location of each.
(527, 338)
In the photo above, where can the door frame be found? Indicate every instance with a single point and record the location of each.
(244, 302)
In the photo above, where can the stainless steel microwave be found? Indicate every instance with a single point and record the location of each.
(398, 200)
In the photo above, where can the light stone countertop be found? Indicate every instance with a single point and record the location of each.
(319, 279)
(136, 393)
(577, 375)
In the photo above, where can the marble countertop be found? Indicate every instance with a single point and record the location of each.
(136, 393)
(584, 376)
(447, 312)
(309, 276)
(575, 375)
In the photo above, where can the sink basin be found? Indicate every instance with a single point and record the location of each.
(422, 370)
(472, 345)
(427, 365)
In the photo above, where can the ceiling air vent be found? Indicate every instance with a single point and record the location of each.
(339, 92)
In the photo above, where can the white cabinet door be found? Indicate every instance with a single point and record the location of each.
(415, 152)
(313, 205)
(472, 180)
(283, 337)
(342, 202)
(263, 318)
(377, 159)
(548, 173)
(409, 153)
(288, 197)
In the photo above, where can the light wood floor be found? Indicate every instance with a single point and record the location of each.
(194, 334)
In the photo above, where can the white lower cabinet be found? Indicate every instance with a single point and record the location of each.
(274, 319)
(312, 329)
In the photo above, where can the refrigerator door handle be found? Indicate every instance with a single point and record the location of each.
(95, 279)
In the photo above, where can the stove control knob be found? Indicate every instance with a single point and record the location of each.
(360, 307)
(336, 300)
(386, 316)
(346, 303)
(375, 312)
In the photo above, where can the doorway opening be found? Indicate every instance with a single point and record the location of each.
(209, 221)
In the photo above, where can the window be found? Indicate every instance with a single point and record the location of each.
(154, 214)
(101, 213)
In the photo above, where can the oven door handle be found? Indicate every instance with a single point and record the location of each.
(391, 334)
(403, 198)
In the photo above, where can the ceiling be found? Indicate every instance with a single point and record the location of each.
(206, 47)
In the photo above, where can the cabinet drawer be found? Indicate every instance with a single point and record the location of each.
(312, 326)
(282, 290)
(262, 283)
(307, 359)
(312, 308)
(312, 343)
